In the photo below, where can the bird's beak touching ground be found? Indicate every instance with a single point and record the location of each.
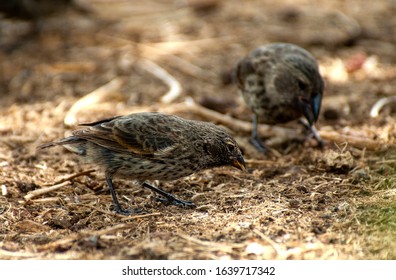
(311, 109)
(239, 163)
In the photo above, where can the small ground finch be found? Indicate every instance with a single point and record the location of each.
(280, 82)
(153, 146)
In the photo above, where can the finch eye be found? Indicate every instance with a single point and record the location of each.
(302, 86)
(230, 147)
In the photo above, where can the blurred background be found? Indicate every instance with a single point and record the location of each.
(82, 60)
(57, 53)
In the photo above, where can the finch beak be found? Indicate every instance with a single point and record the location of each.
(311, 110)
(239, 163)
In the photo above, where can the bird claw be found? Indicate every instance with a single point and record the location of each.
(167, 198)
(128, 212)
(171, 200)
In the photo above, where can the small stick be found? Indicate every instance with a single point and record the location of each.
(175, 87)
(269, 131)
(238, 125)
(374, 112)
(57, 185)
(152, 52)
(182, 64)
(73, 176)
(91, 98)
(38, 192)
(18, 254)
(358, 142)
(191, 45)
(45, 200)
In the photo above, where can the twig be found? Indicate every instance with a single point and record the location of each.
(45, 200)
(287, 133)
(238, 125)
(183, 65)
(358, 142)
(377, 107)
(73, 176)
(38, 192)
(57, 185)
(5, 253)
(175, 88)
(152, 52)
(191, 45)
(91, 98)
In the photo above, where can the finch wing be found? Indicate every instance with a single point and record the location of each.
(102, 136)
(131, 134)
(148, 137)
(254, 64)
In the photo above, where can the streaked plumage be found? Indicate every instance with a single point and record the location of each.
(153, 146)
(280, 82)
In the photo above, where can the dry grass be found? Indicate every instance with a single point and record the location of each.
(298, 203)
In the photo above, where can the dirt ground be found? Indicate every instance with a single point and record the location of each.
(298, 202)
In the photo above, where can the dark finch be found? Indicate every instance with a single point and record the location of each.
(153, 146)
(280, 82)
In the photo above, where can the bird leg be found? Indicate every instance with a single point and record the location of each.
(255, 139)
(117, 206)
(167, 197)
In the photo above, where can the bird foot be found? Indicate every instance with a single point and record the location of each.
(168, 198)
(127, 212)
(258, 145)
(172, 200)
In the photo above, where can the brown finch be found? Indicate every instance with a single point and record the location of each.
(280, 82)
(153, 146)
